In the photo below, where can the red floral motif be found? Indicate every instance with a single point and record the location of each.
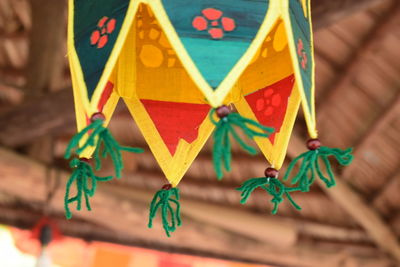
(213, 21)
(105, 27)
(302, 54)
(268, 102)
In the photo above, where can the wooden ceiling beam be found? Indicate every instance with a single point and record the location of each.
(386, 200)
(52, 115)
(326, 12)
(34, 118)
(387, 21)
(391, 112)
(47, 36)
(131, 205)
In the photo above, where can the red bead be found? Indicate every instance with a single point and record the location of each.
(167, 187)
(271, 172)
(85, 160)
(313, 144)
(97, 116)
(223, 111)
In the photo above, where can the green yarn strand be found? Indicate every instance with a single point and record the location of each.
(78, 137)
(310, 166)
(220, 150)
(251, 150)
(225, 128)
(100, 137)
(272, 186)
(170, 218)
(82, 176)
(242, 122)
(249, 186)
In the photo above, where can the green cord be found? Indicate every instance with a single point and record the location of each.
(310, 166)
(82, 173)
(272, 186)
(222, 144)
(100, 136)
(163, 200)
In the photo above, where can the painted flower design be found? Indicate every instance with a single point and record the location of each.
(269, 101)
(105, 27)
(214, 22)
(302, 54)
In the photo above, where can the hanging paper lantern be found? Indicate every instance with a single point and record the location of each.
(180, 66)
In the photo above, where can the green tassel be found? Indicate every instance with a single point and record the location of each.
(272, 186)
(98, 136)
(163, 200)
(81, 174)
(310, 166)
(222, 144)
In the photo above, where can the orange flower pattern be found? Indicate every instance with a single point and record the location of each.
(213, 21)
(105, 27)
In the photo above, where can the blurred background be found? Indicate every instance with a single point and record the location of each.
(357, 223)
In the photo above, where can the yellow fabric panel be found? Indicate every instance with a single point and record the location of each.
(275, 153)
(161, 79)
(271, 64)
(162, 76)
(174, 167)
(83, 114)
(218, 96)
(84, 108)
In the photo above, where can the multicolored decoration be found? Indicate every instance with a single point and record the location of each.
(186, 69)
(17, 249)
(45, 231)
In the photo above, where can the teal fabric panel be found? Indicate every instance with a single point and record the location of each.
(215, 72)
(302, 30)
(87, 14)
(216, 57)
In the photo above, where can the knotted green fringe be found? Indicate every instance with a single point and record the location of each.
(272, 186)
(310, 166)
(81, 174)
(163, 199)
(98, 135)
(222, 144)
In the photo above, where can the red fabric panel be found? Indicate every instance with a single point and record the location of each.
(105, 95)
(175, 121)
(270, 103)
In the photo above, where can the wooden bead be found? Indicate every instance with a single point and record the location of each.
(313, 144)
(271, 172)
(167, 187)
(223, 111)
(97, 116)
(85, 160)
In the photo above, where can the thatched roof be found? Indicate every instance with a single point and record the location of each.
(356, 223)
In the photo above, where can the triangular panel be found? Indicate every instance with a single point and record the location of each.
(167, 106)
(176, 121)
(95, 30)
(298, 20)
(216, 33)
(269, 93)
